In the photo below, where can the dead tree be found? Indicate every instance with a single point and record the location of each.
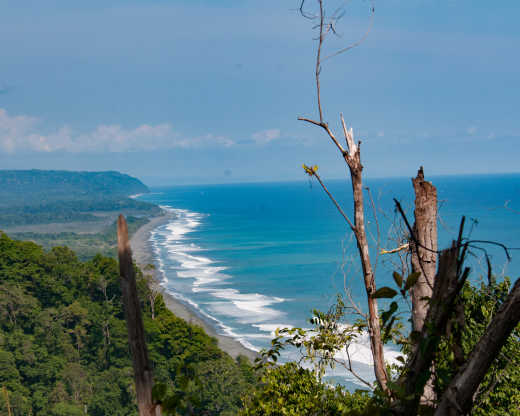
(423, 248)
(435, 297)
(444, 303)
(142, 369)
(448, 283)
(352, 156)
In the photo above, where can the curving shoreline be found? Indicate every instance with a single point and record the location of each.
(143, 255)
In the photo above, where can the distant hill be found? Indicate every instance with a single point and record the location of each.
(27, 187)
(31, 197)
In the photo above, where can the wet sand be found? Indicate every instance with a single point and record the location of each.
(143, 255)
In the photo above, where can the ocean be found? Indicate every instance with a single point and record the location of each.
(250, 258)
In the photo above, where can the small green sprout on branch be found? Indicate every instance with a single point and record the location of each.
(310, 170)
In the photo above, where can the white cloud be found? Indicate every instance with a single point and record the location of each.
(21, 133)
(266, 136)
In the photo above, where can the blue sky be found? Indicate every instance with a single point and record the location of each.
(209, 91)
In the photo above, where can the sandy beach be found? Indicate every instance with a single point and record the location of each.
(143, 255)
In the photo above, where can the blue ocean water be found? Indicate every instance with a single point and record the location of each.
(253, 257)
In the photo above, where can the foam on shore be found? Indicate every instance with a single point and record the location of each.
(188, 273)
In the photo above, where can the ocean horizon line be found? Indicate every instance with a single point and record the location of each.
(330, 179)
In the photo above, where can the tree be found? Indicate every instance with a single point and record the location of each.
(352, 157)
(153, 287)
(435, 290)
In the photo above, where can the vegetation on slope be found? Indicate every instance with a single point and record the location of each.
(292, 390)
(85, 245)
(40, 197)
(63, 341)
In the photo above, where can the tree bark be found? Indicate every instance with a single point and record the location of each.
(448, 282)
(353, 160)
(142, 370)
(423, 249)
(458, 397)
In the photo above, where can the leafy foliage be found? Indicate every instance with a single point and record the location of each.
(85, 245)
(290, 389)
(499, 394)
(64, 347)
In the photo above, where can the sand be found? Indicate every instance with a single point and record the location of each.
(143, 255)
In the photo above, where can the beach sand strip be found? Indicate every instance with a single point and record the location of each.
(143, 255)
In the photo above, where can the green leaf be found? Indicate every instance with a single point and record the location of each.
(411, 280)
(388, 314)
(398, 279)
(384, 292)
(158, 392)
(388, 327)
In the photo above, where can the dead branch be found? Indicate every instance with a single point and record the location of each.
(313, 172)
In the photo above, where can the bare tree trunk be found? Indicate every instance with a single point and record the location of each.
(374, 328)
(458, 398)
(448, 282)
(424, 259)
(142, 370)
(424, 249)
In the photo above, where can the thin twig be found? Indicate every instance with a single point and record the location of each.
(318, 61)
(325, 126)
(335, 203)
(374, 212)
(359, 42)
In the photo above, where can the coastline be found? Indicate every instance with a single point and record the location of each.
(143, 255)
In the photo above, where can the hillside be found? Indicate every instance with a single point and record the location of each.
(30, 198)
(64, 347)
(76, 209)
(45, 187)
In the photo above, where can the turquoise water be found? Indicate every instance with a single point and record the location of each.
(253, 257)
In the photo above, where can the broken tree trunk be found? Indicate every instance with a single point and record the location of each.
(448, 282)
(457, 400)
(142, 370)
(423, 248)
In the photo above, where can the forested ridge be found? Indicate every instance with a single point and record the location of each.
(30, 197)
(51, 185)
(64, 346)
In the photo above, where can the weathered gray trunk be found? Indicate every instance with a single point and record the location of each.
(448, 282)
(354, 162)
(458, 398)
(142, 370)
(424, 259)
(424, 249)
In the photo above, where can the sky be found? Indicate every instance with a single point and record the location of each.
(209, 91)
